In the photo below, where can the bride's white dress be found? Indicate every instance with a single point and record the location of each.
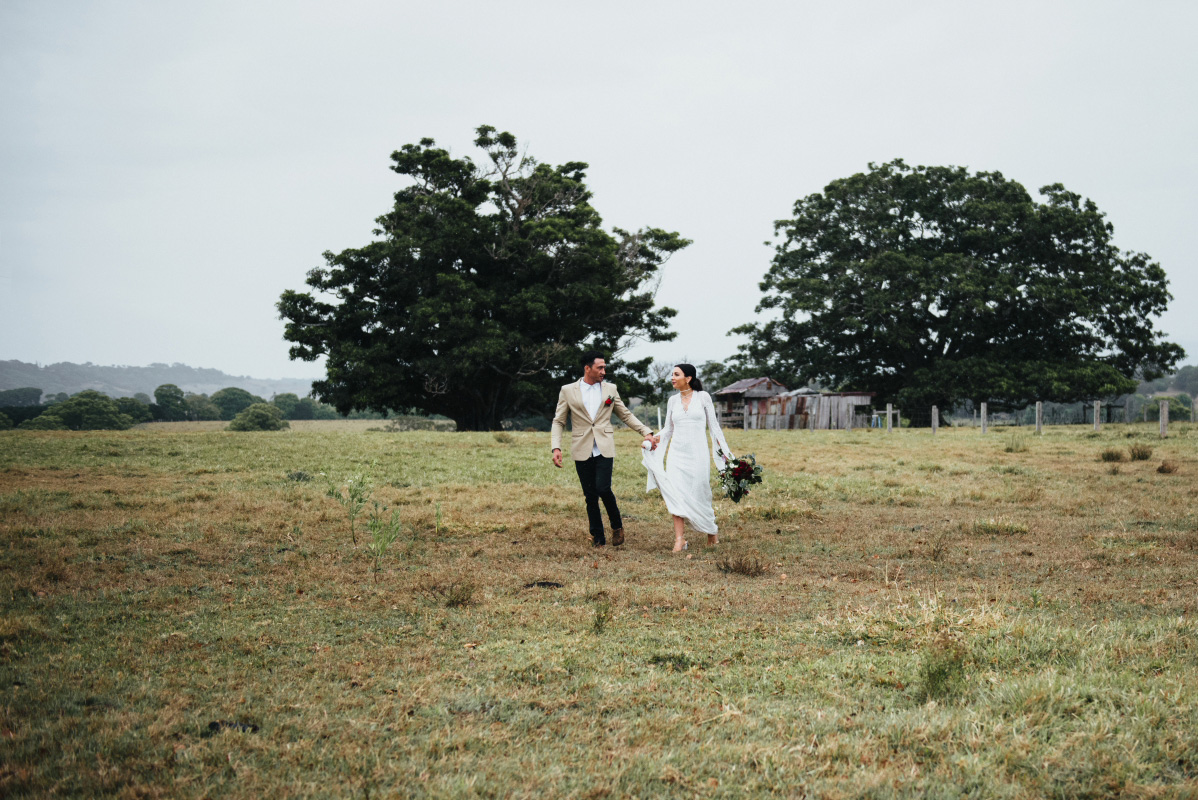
(679, 466)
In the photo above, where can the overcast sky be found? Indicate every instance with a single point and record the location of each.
(168, 168)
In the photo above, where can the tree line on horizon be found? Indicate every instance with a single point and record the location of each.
(27, 408)
(926, 285)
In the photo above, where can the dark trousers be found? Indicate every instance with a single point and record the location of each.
(595, 476)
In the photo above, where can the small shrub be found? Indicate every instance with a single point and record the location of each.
(1111, 454)
(382, 533)
(1016, 444)
(941, 671)
(299, 476)
(603, 615)
(938, 547)
(259, 417)
(999, 527)
(456, 594)
(1167, 468)
(353, 496)
(1139, 452)
(742, 565)
(504, 438)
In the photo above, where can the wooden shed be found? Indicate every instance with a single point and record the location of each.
(730, 401)
(765, 404)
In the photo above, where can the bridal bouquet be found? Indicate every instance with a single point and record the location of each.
(738, 475)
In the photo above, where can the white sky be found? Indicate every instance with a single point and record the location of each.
(168, 168)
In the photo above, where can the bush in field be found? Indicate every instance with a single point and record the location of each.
(5, 422)
(259, 417)
(46, 422)
(1111, 454)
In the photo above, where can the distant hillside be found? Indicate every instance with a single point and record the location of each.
(128, 381)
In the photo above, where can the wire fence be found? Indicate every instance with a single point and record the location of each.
(1037, 415)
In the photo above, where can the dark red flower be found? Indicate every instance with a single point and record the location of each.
(607, 402)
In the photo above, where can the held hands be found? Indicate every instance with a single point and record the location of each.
(653, 440)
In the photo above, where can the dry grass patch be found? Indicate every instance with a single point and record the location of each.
(158, 581)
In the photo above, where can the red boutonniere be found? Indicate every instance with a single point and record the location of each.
(607, 402)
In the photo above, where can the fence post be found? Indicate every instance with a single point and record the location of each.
(889, 406)
(1164, 419)
(1097, 406)
(935, 420)
(983, 417)
(1039, 418)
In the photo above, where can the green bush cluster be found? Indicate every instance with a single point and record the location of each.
(259, 417)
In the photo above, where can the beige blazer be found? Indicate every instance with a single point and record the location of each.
(584, 431)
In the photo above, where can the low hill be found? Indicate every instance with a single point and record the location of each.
(121, 381)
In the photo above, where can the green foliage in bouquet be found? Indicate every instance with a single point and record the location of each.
(738, 475)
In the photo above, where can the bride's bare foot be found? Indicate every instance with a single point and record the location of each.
(680, 545)
(713, 539)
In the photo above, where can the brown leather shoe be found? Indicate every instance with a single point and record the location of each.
(617, 536)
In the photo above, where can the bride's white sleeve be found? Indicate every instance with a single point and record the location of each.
(668, 430)
(718, 442)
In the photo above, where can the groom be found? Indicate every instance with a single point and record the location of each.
(589, 404)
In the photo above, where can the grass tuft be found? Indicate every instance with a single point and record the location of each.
(1111, 454)
(454, 594)
(941, 671)
(1017, 443)
(999, 527)
(741, 565)
(1167, 467)
(1139, 452)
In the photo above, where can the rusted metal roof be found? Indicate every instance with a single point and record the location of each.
(754, 387)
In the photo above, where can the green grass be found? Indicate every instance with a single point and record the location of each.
(935, 617)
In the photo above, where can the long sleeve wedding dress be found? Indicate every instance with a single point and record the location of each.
(678, 467)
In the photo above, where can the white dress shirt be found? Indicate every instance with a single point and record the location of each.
(592, 398)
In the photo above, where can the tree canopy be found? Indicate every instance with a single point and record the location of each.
(930, 285)
(88, 411)
(28, 396)
(484, 286)
(169, 405)
(232, 401)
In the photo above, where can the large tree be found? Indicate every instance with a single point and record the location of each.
(485, 284)
(931, 285)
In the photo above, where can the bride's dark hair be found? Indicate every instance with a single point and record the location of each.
(689, 371)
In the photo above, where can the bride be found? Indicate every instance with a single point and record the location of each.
(682, 473)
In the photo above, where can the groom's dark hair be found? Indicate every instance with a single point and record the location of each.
(588, 358)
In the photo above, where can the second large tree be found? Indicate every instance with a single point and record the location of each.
(482, 289)
(931, 285)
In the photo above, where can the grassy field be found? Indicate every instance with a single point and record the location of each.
(185, 614)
